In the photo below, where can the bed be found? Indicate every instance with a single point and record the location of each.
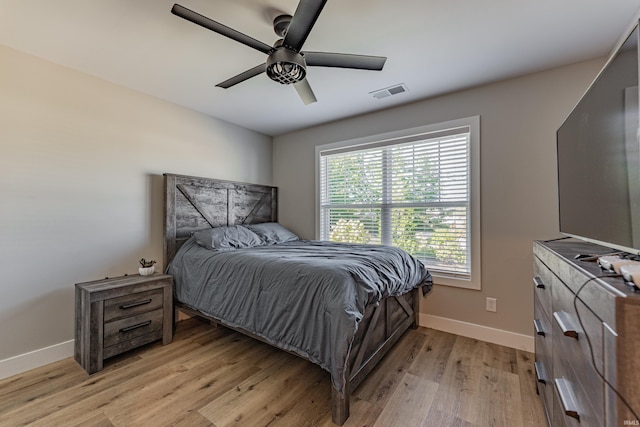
(340, 306)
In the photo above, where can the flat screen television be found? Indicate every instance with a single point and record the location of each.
(599, 157)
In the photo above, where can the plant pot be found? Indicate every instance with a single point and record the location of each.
(145, 271)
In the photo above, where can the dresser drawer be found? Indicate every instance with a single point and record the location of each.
(585, 413)
(543, 358)
(543, 338)
(544, 385)
(563, 305)
(559, 418)
(542, 329)
(572, 356)
(131, 327)
(598, 298)
(542, 282)
(132, 304)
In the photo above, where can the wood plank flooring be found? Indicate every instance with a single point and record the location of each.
(216, 377)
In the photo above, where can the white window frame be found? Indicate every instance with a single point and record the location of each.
(473, 281)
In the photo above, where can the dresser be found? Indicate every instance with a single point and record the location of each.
(118, 314)
(583, 325)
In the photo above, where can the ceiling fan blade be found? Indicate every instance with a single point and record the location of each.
(304, 91)
(219, 28)
(344, 60)
(258, 69)
(302, 22)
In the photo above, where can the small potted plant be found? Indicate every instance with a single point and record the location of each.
(147, 267)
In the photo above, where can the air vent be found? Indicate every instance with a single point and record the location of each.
(392, 90)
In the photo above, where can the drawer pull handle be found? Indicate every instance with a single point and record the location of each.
(567, 398)
(132, 327)
(135, 304)
(539, 283)
(563, 319)
(541, 375)
(537, 325)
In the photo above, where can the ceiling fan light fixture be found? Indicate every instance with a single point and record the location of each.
(286, 66)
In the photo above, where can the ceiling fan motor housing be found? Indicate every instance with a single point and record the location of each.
(286, 66)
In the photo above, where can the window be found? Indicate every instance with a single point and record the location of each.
(415, 190)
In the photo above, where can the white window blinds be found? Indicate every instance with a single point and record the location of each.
(413, 193)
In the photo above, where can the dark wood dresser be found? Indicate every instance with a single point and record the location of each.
(121, 313)
(606, 325)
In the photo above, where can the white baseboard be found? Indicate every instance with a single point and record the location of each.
(482, 333)
(34, 359)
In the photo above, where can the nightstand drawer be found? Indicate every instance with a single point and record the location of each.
(131, 305)
(131, 327)
(136, 342)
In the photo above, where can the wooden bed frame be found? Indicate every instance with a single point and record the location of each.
(193, 204)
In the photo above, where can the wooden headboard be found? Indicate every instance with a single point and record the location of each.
(192, 203)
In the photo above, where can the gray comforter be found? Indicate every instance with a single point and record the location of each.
(303, 296)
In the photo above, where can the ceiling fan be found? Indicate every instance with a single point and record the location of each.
(286, 62)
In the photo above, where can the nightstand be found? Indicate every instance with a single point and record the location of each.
(118, 314)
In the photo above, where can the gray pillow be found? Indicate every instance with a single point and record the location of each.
(227, 238)
(272, 233)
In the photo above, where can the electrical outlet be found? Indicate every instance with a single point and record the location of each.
(491, 304)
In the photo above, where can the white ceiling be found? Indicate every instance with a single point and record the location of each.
(433, 46)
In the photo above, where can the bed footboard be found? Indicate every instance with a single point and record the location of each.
(381, 327)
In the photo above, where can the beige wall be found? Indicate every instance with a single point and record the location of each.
(518, 120)
(81, 168)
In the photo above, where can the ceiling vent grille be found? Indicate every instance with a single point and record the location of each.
(391, 90)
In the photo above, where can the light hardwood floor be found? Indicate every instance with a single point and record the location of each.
(212, 376)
